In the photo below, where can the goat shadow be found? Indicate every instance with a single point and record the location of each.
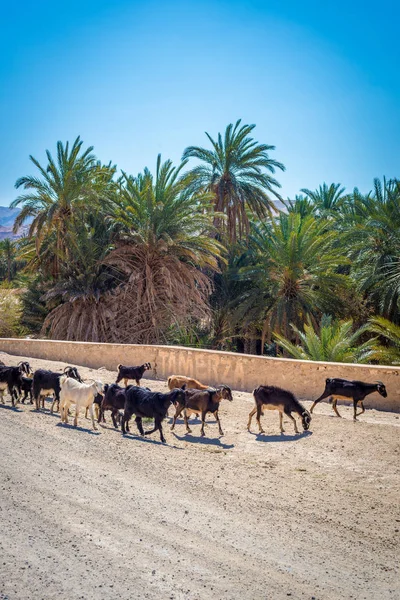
(81, 429)
(11, 407)
(46, 411)
(203, 440)
(141, 438)
(264, 437)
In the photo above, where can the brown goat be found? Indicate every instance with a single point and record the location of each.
(274, 398)
(201, 401)
(178, 381)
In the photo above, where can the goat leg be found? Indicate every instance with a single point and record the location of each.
(334, 407)
(176, 415)
(92, 416)
(259, 412)
(139, 425)
(158, 423)
(185, 417)
(294, 421)
(362, 408)
(203, 422)
(251, 414)
(114, 413)
(219, 423)
(322, 396)
(281, 422)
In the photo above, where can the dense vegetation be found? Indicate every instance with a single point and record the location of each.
(198, 254)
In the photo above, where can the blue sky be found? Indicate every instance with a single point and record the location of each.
(320, 80)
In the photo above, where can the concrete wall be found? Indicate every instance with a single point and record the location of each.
(240, 371)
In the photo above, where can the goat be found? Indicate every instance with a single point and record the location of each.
(26, 387)
(25, 367)
(178, 381)
(202, 401)
(80, 394)
(135, 373)
(114, 400)
(11, 379)
(97, 403)
(349, 390)
(46, 383)
(153, 405)
(274, 398)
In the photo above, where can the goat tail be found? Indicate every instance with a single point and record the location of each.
(118, 367)
(169, 380)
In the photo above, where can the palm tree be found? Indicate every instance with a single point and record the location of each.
(79, 300)
(301, 205)
(8, 256)
(294, 273)
(333, 341)
(326, 199)
(371, 229)
(64, 187)
(238, 172)
(390, 353)
(164, 253)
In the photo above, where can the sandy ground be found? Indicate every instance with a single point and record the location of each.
(95, 515)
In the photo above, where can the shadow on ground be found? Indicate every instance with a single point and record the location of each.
(282, 437)
(80, 429)
(203, 440)
(10, 407)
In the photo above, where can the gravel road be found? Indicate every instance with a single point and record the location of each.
(95, 515)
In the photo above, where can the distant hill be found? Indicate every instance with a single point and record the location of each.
(7, 218)
(7, 215)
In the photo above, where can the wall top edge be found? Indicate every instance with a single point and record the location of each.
(253, 357)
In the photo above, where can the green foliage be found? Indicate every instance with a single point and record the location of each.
(293, 273)
(165, 246)
(199, 257)
(238, 172)
(66, 188)
(10, 314)
(389, 353)
(34, 309)
(333, 341)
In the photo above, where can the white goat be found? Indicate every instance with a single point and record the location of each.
(80, 394)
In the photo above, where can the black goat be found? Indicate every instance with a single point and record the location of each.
(274, 398)
(153, 405)
(26, 387)
(135, 373)
(25, 367)
(349, 390)
(11, 379)
(46, 383)
(114, 400)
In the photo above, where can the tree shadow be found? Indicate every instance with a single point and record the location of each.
(11, 407)
(264, 437)
(80, 429)
(203, 440)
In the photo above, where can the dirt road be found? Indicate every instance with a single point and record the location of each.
(93, 515)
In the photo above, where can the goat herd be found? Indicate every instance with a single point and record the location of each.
(186, 394)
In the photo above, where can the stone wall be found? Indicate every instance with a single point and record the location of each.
(240, 371)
